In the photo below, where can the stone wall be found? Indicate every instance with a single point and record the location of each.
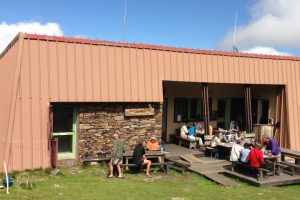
(97, 124)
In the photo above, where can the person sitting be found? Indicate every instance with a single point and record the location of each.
(139, 157)
(191, 135)
(227, 137)
(216, 140)
(244, 153)
(239, 136)
(184, 131)
(234, 127)
(153, 145)
(236, 150)
(198, 128)
(255, 157)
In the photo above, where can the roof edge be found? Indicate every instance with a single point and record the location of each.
(145, 46)
(20, 34)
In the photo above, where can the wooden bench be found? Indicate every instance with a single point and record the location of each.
(262, 172)
(164, 166)
(290, 153)
(187, 142)
(284, 165)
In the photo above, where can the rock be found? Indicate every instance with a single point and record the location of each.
(119, 118)
(55, 172)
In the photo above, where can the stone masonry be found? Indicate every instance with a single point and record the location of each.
(97, 123)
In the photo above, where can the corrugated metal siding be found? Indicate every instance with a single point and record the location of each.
(8, 68)
(57, 71)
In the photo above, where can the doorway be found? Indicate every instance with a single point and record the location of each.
(64, 129)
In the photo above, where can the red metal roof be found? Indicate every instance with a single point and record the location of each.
(154, 47)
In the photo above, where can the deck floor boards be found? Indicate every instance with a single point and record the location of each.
(218, 170)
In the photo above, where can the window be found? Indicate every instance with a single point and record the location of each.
(64, 129)
(260, 111)
(187, 109)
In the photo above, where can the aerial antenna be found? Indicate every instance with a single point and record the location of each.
(235, 49)
(124, 20)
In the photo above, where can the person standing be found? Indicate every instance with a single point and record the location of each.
(272, 148)
(116, 156)
(139, 157)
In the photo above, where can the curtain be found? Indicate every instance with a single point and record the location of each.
(281, 133)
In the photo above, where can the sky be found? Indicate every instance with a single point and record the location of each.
(262, 26)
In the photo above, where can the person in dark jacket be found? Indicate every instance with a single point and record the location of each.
(139, 157)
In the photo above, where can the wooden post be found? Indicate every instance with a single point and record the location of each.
(205, 107)
(54, 152)
(248, 108)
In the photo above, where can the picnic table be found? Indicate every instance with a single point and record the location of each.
(290, 153)
(160, 155)
(225, 148)
(271, 161)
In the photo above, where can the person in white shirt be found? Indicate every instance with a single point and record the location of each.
(216, 140)
(184, 131)
(236, 150)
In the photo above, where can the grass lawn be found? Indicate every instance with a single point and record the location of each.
(91, 183)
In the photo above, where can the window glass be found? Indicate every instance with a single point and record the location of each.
(64, 143)
(62, 119)
(187, 109)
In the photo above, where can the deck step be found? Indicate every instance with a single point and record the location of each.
(206, 169)
(191, 158)
(221, 179)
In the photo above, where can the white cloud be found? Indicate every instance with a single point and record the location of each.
(273, 23)
(265, 51)
(9, 31)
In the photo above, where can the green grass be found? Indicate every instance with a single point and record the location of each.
(91, 183)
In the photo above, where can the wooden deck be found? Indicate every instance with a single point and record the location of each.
(207, 167)
(176, 151)
(283, 179)
(219, 170)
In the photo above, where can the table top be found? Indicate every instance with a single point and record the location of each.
(290, 152)
(227, 145)
(271, 156)
(148, 153)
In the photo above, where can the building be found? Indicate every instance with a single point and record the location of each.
(82, 91)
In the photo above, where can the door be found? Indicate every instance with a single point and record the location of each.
(64, 129)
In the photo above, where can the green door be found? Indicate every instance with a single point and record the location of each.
(64, 129)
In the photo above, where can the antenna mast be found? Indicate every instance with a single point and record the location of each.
(234, 33)
(124, 20)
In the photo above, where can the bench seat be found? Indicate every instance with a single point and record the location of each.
(284, 165)
(164, 166)
(262, 172)
(188, 142)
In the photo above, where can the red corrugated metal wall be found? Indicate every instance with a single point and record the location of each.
(60, 71)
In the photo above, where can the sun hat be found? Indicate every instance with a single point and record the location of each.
(153, 138)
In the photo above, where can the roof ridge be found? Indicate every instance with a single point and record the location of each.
(147, 46)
